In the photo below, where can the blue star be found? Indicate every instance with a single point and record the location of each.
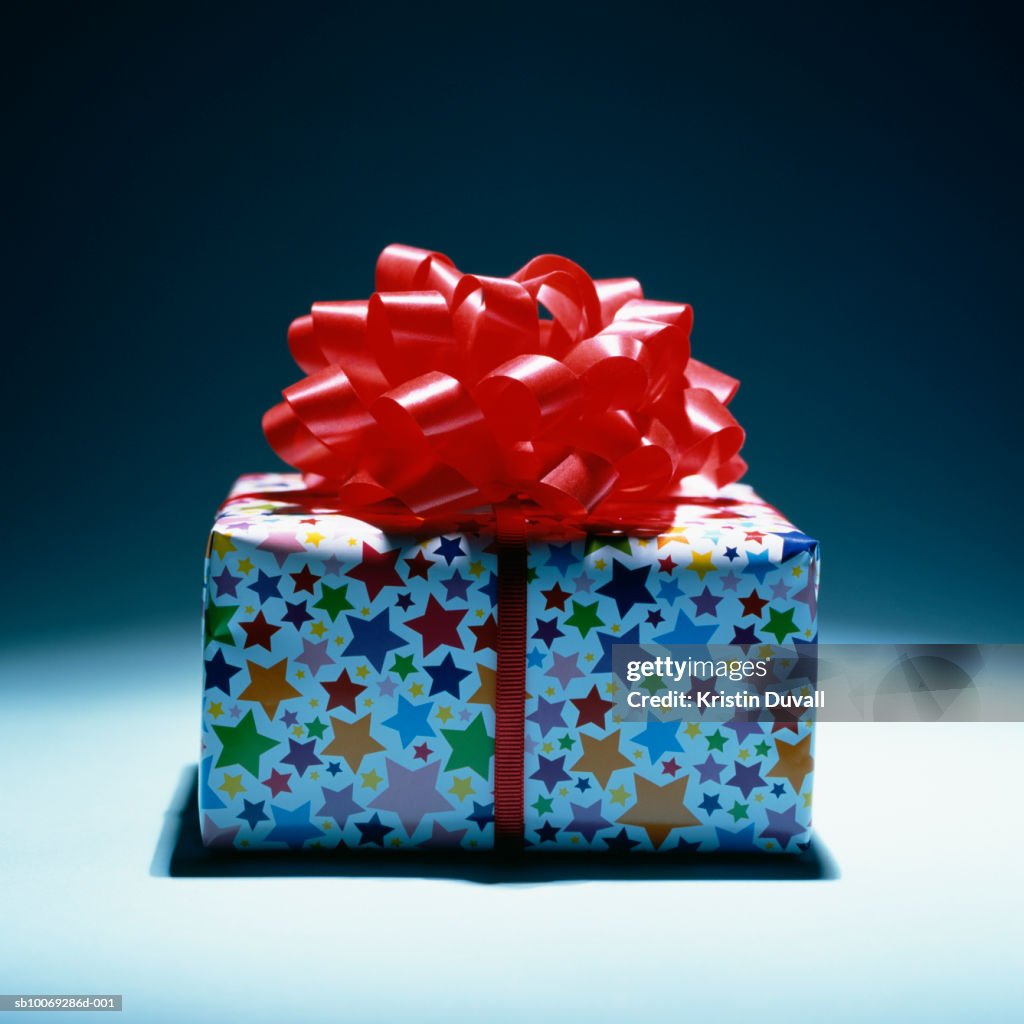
(253, 813)
(561, 557)
(483, 815)
(535, 657)
(710, 803)
(758, 565)
(449, 549)
(620, 842)
(297, 614)
(687, 632)
(446, 677)
(547, 832)
(583, 784)
(220, 672)
(732, 554)
(782, 826)
(334, 767)
(410, 721)
(627, 587)
(208, 799)
(490, 588)
(266, 586)
(292, 828)
(607, 640)
(736, 842)
(669, 592)
(659, 738)
(778, 789)
(372, 831)
(796, 543)
(373, 638)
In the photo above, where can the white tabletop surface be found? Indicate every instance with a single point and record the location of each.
(923, 921)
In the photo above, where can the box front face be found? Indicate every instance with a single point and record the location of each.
(349, 685)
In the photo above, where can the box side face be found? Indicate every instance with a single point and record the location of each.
(597, 781)
(348, 683)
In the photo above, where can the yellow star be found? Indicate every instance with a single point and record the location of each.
(563, 791)
(327, 826)
(445, 714)
(367, 702)
(314, 537)
(677, 534)
(215, 709)
(339, 640)
(807, 799)
(701, 564)
(314, 776)
(550, 691)
(249, 609)
(588, 657)
(352, 741)
(362, 671)
(765, 652)
(416, 690)
(476, 568)
(574, 839)
(352, 542)
(232, 785)
(619, 795)
(222, 543)
(318, 629)
(797, 571)
(547, 747)
(611, 688)
(268, 686)
(616, 628)
(461, 788)
(693, 730)
(297, 731)
(371, 780)
(396, 841)
(364, 611)
(744, 754)
(600, 563)
(300, 673)
(245, 566)
(479, 613)
(314, 703)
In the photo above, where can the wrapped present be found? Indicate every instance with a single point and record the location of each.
(409, 644)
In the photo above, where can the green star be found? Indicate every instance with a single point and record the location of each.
(218, 616)
(780, 624)
(333, 600)
(403, 666)
(652, 684)
(620, 542)
(471, 747)
(762, 749)
(584, 617)
(739, 811)
(566, 742)
(543, 804)
(242, 745)
(716, 741)
(531, 574)
(316, 728)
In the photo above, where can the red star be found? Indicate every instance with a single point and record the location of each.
(592, 708)
(278, 783)
(343, 692)
(377, 570)
(437, 626)
(311, 522)
(670, 767)
(419, 565)
(756, 536)
(753, 604)
(555, 598)
(486, 634)
(259, 632)
(667, 565)
(304, 579)
(421, 751)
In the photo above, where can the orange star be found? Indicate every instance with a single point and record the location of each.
(601, 757)
(352, 741)
(659, 809)
(795, 762)
(268, 686)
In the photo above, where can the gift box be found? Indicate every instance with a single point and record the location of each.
(409, 644)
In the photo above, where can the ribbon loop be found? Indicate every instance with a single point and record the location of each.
(446, 389)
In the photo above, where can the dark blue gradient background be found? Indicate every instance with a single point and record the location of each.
(838, 194)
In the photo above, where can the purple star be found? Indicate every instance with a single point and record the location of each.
(338, 804)
(782, 826)
(705, 602)
(300, 756)
(710, 770)
(780, 592)
(333, 566)
(547, 631)
(234, 711)
(551, 771)
(290, 718)
(297, 614)
(227, 585)
(730, 581)
(654, 618)
(565, 668)
(746, 778)
(411, 794)
(548, 715)
(314, 655)
(387, 687)
(218, 837)
(583, 583)
(588, 821)
(403, 601)
(442, 838)
(457, 587)
(281, 544)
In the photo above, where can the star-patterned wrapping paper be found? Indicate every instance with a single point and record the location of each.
(350, 676)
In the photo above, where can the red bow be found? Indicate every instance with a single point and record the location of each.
(448, 390)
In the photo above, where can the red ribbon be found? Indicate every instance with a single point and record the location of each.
(447, 390)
